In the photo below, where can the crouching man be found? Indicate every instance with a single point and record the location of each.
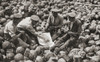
(29, 25)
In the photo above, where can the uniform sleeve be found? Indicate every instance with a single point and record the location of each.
(30, 29)
(12, 34)
(9, 31)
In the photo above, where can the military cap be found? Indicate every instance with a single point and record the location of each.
(56, 10)
(35, 18)
(17, 15)
(72, 14)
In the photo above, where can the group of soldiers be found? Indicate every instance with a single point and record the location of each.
(74, 26)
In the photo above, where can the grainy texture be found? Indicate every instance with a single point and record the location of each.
(49, 30)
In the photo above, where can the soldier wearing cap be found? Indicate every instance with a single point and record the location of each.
(11, 29)
(72, 35)
(10, 26)
(55, 20)
(74, 28)
(29, 25)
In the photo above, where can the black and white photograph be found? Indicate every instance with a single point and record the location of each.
(49, 30)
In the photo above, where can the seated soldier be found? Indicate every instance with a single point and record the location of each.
(54, 22)
(72, 35)
(10, 30)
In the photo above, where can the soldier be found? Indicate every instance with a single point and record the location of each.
(72, 35)
(10, 30)
(29, 25)
(54, 22)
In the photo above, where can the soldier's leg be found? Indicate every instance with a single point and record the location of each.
(68, 43)
(22, 43)
(62, 39)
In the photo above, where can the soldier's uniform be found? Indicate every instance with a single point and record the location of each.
(71, 36)
(54, 22)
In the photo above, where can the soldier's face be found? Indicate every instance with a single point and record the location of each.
(16, 21)
(55, 14)
(34, 22)
(71, 19)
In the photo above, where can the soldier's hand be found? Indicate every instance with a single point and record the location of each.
(46, 40)
(52, 48)
(57, 50)
(22, 32)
